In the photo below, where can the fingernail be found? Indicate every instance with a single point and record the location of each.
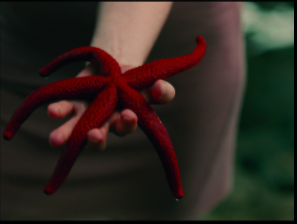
(163, 91)
(97, 139)
(127, 119)
(60, 137)
(57, 140)
(94, 141)
(57, 109)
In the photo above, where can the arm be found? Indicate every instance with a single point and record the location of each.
(127, 31)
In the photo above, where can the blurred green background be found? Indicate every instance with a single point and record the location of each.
(264, 168)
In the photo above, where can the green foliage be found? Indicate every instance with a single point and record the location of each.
(273, 5)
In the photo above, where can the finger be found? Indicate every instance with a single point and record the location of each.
(88, 70)
(61, 135)
(60, 109)
(125, 68)
(161, 92)
(63, 108)
(97, 137)
(126, 123)
(123, 123)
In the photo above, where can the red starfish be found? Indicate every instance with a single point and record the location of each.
(110, 90)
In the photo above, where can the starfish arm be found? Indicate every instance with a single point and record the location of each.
(98, 112)
(145, 75)
(105, 63)
(150, 123)
(73, 88)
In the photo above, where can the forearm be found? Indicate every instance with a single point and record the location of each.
(128, 30)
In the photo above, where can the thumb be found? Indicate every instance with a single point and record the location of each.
(87, 71)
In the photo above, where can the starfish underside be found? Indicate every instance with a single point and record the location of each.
(110, 90)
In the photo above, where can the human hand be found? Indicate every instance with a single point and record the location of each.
(120, 123)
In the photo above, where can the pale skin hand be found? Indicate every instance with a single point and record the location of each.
(120, 123)
(127, 31)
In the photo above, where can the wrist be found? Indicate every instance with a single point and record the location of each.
(117, 49)
(127, 31)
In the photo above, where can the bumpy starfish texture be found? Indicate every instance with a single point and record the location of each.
(109, 91)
